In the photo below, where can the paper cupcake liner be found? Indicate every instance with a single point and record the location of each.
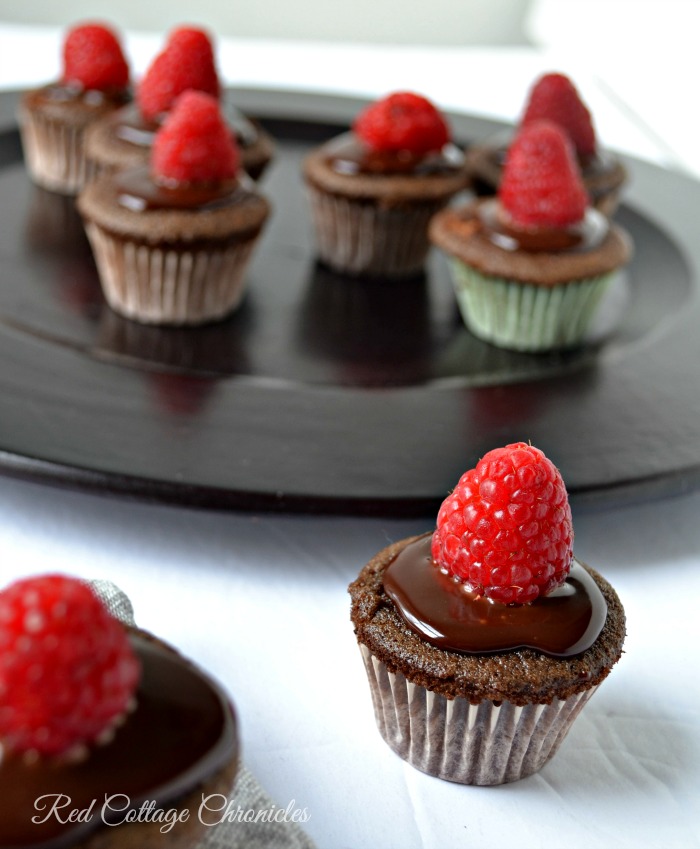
(488, 743)
(362, 238)
(158, 285)
(54, 153)
(524, 317)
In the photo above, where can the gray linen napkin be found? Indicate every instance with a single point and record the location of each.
(247, 793)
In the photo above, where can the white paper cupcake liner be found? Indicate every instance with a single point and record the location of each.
(488, 743)
(54, 153)
(524, 317)
(363, 238)
(158, 285)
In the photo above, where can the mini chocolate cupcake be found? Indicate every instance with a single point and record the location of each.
(124, 139)
(172, 242)
(530, 267)
(483, 640)
(53, 120)
(373, 191)
(554, 98)
(107, 716)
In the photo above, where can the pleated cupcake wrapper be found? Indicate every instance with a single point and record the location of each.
(524, 317)
(488, 743)
(54, 153)
(361, 238)
(160, 286)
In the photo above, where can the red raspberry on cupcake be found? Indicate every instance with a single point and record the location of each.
(93, 59)
(194, 145)
(374, 190)
(555, 98)
(506, 529)
(541, 184)
(54, 119)
(403, 121)
(67, 670)
(187, 62)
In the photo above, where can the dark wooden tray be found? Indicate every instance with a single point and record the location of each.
(328, 394)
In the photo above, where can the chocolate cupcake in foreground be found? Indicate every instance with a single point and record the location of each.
(554, 98)
(53, 119)
(172, 241)
(107, 716)
(124, 139)
(483, 640)
(531, 266)
(373, 191)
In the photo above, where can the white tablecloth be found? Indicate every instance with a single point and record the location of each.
(260, 600)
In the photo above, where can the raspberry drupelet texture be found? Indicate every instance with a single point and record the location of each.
(402, 121)
(541, 184)
(555, 98)
(194, 144)
(187, 62)
(93, 59)
(67, 669)
(506, 529)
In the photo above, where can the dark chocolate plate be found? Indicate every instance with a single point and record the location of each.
(328, 394)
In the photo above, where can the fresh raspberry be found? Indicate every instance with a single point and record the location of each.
(93, 58)
(555, 98)
(187, 62)
(194, 144)
(506, 529)
(541, 184)
(402, 121)
(67, 670)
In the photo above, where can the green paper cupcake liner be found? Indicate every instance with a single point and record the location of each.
(524, 317)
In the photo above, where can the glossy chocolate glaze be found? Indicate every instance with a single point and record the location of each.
(61, 93)
(586, 235)
(138, 191)
(180, 734)
(348, 154)
(446, 615)
(130, 126)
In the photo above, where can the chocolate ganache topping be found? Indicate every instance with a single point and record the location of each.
(444, 613)
(348, 154)
(139, 192)
(180, 734)
(586, 235)
(92, 98)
